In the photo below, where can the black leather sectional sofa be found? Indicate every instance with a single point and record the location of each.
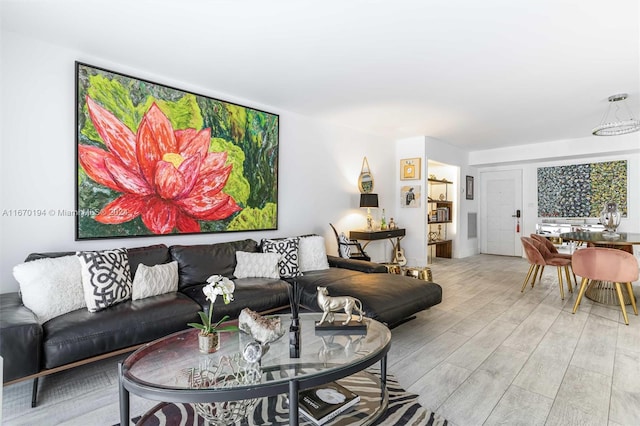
(31, 350)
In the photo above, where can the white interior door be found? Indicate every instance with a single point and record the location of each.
(501, 195)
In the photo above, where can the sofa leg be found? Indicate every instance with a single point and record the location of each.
(34, 393)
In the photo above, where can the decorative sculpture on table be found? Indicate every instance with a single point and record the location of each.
(263, 329)
(252, 352)
(610, 218)
(226, 372)
(329, 305)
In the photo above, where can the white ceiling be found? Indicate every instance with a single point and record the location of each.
(475, 74)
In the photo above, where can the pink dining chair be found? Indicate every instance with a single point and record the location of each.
(550, 246)
(539, 257)
(560, 261)
(554, 251)
(606, 264)
(535, 262)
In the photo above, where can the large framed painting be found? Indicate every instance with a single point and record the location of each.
(582, 190)
(156, 160)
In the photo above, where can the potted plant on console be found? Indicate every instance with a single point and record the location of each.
(208, 338)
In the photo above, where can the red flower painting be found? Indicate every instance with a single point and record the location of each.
(167, 177)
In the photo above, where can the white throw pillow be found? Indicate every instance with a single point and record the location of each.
(155, 280)
(250, 265)
(50, 287)
(312, 254)
(106, 277)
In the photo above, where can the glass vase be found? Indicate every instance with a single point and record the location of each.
(610, 218)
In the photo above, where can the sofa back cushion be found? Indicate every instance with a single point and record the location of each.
(49, 255)
(149, 255)
(196, 263)
(53, 286)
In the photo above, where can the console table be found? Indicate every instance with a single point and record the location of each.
(388, 234)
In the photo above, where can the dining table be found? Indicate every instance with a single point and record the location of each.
(603, 291)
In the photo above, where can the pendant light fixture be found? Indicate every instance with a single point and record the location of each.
(618, 124)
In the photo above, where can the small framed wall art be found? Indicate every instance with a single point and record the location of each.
(469, 187)
(410, 196)
(410, 168)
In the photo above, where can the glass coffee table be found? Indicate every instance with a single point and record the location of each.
(172, 369)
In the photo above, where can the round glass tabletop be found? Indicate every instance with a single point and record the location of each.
(174, 363)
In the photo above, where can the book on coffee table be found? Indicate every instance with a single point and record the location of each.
(322, 403)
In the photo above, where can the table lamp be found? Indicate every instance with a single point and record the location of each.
(369, 200)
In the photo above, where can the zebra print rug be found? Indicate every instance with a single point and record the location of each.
(403, 409)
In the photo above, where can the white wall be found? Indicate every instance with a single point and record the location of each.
(578, 151)
(530, 189)
(526, 158)
(581, 148)
(414, 220)
(442, 152)
(319, 164)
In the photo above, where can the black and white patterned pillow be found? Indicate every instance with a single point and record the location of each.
(344, 249)
(287, 248)
(106, 277)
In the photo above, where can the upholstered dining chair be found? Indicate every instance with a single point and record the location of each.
(559, 261)
(350, 249)
(553, 251)
(536, 261)
(550, 246)
(539, 257)
(606, 264)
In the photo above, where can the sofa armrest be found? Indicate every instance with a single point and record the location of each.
(20, 338)
(356, 265)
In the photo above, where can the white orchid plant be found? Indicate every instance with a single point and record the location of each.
(218, 286)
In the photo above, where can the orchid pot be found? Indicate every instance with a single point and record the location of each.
(208, 343)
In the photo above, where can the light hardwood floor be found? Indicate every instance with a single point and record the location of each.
(487, 354)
